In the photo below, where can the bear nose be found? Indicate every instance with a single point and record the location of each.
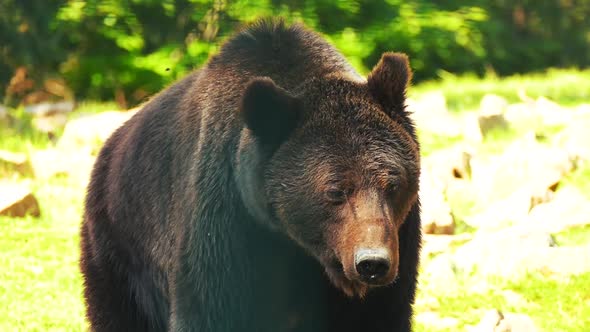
(372, 264)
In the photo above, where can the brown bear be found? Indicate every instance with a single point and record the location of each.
(274, 189)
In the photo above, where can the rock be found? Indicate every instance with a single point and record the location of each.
(76, 164)
(449, 164)
(471, 130)
(436, 214)
(440, 274)
(15, 163)
(431, 115)
(92, 130)
(568, 208)
(51, 123)
(433, 319)
(50, 117)
(496, 321)
(575, 138)
(47, 109)
(17, 201)
(562, 261)
(551, 113)
(512, 255)
(488, 322)
(514, 299)
(505, 212)
(502, 253)
(523, 116)
(493, 104)
(491, 113)
(516, 323)
(434, 244)
(524, 164)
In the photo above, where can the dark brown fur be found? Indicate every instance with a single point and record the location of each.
(234, 199)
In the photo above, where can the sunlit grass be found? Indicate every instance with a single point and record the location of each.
(567, 87)
(40, 285)
(554, 304)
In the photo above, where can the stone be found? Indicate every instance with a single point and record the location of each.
(47, 109)
(524, 164)
(448, 164)
(568, 208)
(551, 113)
(504, 212)
(439, 243)
(50, 117)
(493, 104)
(92, 130)
(515, 251)
(488, 322)
(436, 213)
(491, 113)
(516, 323)
(15, 163)
(50, 124)
(575, 138)
(496, 321)
(562, 261)
(76, 164)
(17, 201)
(502, 253)
(432, 116)
(523, 116)
(433, 319)
(471, 130)
(440, 274)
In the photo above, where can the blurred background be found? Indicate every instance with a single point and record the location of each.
(142, 45)
(501, 98)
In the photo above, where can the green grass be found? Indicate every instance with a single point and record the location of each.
(432, 142)
(574, 236)
(554, 305)
(40, 286)
(21, 136)
(580, 178)
(567, 87)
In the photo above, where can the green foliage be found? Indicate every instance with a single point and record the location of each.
(131, 49)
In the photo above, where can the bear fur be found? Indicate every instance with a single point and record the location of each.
(237, 198)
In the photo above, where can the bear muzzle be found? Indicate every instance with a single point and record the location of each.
(372, 265)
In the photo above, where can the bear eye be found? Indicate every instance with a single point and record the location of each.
(337, 195)
(392, 186)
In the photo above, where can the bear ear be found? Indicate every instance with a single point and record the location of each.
(389, 78)
(269, 111)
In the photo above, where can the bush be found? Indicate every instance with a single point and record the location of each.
(127, 50)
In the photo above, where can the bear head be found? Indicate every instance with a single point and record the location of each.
(334, 165)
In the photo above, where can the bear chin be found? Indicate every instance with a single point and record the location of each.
(352, 288)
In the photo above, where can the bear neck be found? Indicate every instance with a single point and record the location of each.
(249, 174)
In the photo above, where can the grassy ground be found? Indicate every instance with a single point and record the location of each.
(569, 87)
(40, 286)
(556, 305)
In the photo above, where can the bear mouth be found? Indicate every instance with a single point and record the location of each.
(350, 287)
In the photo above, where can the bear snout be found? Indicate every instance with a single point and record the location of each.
(368, 251)
(372, 264)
